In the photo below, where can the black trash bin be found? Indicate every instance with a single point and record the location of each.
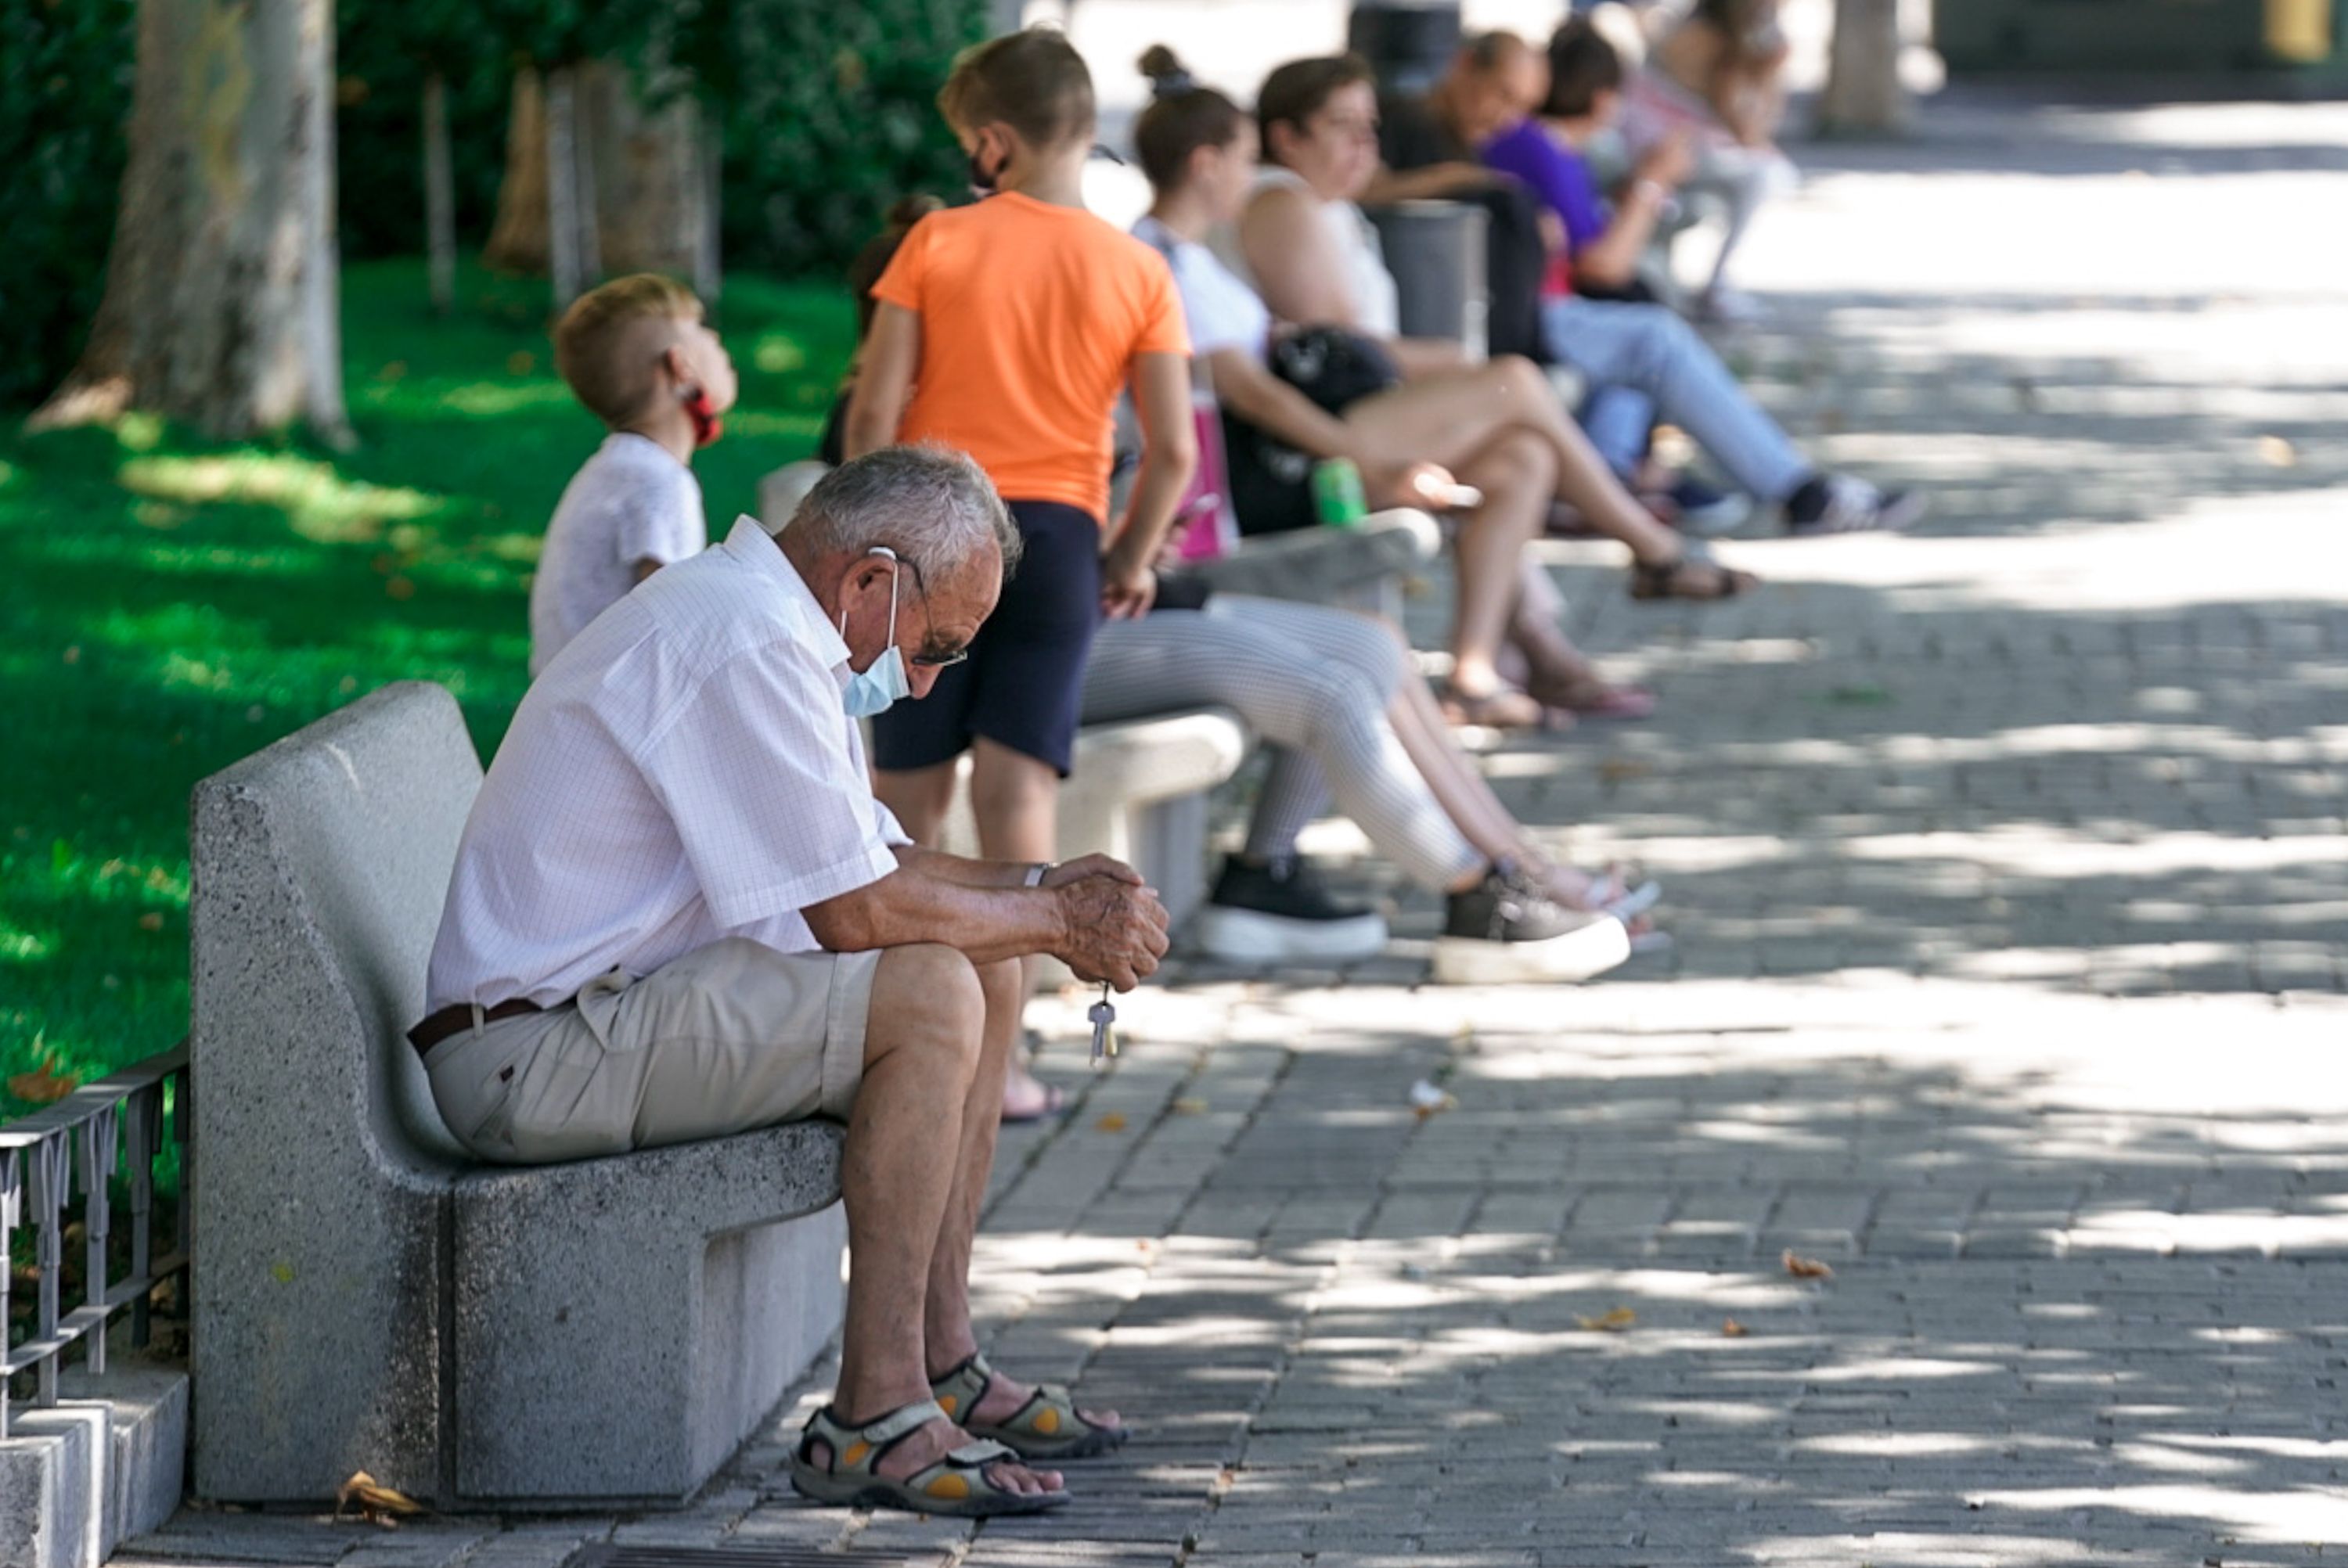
(1408, 45)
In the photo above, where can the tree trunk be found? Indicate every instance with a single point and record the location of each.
(518, 238)
(566, 219)
(223, 291)
(439, 195)
(650, 191)
(636, 191)
(1863, 93)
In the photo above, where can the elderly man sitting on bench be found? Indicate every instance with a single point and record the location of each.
(678, 912)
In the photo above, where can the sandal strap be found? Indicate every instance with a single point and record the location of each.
(861, 1448)
(960, 1390)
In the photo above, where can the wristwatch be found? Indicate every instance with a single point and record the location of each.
(1037, 873)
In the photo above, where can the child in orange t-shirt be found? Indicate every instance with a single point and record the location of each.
(1007, 328)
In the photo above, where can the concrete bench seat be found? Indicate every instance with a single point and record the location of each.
(368, 1297)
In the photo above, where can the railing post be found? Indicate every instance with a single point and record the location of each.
(11, 1210)
(101, 1137)
(49, 1173)
(142, 1131)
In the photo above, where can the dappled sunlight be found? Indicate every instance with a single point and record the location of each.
(319, 503)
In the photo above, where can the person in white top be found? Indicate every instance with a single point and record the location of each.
(638, 355)
(678, 912)
(1319, 121)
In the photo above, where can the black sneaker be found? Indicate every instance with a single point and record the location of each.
(1505, 929)
(1278, 912)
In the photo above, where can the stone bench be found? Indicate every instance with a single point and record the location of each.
(365, 1296)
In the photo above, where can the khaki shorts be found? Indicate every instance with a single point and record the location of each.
(731, 1036)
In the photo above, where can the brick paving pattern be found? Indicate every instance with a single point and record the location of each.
(2007, 871)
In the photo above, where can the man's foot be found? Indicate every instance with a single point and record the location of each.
(914, 1458)
(1844, 504)
(1041, 1421)
(1278, 912)
(1508, 929)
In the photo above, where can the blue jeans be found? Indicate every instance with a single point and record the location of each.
(1647, 350)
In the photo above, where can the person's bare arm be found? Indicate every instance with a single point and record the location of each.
(1613, 259)
(884, 380)
(1432, 182)
(1102, 926)
(1170, 455)
(1295, 262)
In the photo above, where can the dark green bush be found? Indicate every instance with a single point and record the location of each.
(830, 116)
(65, 98)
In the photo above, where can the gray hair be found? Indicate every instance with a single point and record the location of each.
(933, 507)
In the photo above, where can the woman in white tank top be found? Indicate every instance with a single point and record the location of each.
(1308, 251)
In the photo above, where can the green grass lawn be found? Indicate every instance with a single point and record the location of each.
(170, 605)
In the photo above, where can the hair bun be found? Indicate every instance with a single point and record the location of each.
(1167, 73)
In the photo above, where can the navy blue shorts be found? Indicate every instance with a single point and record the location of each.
(1020, 686)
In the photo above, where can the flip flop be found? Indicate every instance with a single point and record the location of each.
(1056, 1100)
(957, 1484)
(1047, 1426)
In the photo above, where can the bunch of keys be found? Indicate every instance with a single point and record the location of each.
(1104, 1036)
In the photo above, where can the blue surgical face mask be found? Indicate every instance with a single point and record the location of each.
(875, 690)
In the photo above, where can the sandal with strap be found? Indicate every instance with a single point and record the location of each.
(957, 1484)
(1587, 696)
(1047, 1426)
(1691, 574)
(1502, 708)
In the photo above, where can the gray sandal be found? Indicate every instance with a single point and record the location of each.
(957, 1484)
(1047, 1426)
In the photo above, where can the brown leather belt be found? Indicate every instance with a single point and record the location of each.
(459, 1015)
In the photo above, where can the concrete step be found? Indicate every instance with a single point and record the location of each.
(109, 1462)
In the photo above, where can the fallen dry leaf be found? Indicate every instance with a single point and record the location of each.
(1111, 1122)
(2277, 452)
(1802, 1267)
(377, 1504)
(1614, 770)
(45, 1085)
(1732, 1329)
(1188, 1107)
(1613, 1322)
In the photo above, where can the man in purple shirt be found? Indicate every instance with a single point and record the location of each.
(1646, 348)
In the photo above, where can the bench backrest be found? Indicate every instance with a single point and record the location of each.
(320, 867)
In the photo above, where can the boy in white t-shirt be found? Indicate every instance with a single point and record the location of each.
(638, 354)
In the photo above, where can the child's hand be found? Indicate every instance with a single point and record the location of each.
(1128, 591)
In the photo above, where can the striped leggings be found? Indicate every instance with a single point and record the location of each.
(1314, 683)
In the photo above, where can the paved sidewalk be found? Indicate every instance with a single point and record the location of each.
(2011, 889)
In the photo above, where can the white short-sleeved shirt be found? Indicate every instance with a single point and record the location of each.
(683, 770)
(1362, 260)
(1223, 312)
(633, 501)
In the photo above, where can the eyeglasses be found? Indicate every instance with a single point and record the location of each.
(927, 659)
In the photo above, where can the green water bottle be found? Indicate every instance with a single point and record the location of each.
(1338, 494)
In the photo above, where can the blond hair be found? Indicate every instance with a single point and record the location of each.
(600, 350)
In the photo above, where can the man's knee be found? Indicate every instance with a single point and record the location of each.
(928, 997)
(1003, 985)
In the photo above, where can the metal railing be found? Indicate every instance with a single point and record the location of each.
(91, 1133)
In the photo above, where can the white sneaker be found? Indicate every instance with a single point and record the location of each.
(1854, 505)
(1506, 931)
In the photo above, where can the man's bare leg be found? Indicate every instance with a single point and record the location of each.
(922, 1048)
(951, 1340)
